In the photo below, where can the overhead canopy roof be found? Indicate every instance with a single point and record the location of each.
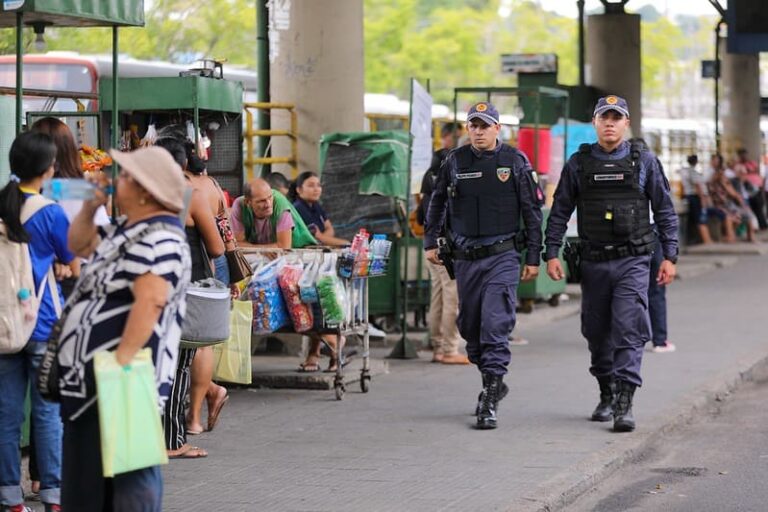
(74, 13)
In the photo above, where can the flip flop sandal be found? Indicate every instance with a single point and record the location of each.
(199, 453)
(213, 416)
(308, 368)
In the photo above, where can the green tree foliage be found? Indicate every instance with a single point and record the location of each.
(176, 30)
(451, 42)
(458, 43)
(662, 43)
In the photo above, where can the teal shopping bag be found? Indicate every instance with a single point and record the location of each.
(129, 419)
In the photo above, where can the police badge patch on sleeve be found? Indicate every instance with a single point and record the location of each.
(503, 173)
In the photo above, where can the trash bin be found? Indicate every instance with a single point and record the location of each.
(543, 287)
(385, 300)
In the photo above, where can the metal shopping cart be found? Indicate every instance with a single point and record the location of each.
(355, 319)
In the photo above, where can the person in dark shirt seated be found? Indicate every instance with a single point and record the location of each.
(278, 182)
(305, 193)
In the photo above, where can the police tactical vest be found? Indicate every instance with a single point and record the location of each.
(613, 209)
(483, 200)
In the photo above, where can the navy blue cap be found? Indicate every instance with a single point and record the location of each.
(484, 111)
(611, 103)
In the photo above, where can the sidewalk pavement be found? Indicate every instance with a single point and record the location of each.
(279, 371)
(409, 443)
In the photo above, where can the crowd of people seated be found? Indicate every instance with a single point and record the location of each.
(732, 192)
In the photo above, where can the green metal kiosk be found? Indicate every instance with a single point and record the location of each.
(173, 100)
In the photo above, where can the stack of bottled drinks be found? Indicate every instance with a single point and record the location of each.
(365, 258)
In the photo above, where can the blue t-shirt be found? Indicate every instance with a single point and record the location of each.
(313, 215)
(47, 230)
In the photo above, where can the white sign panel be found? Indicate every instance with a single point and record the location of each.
(279, 20)
(10, 5)
(529, 63)
(421, 132)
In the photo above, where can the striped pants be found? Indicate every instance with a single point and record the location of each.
(175, 418)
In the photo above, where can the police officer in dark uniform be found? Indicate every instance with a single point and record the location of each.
(480, 193)
(614, 185)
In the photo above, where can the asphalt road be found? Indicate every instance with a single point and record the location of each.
(718, 463)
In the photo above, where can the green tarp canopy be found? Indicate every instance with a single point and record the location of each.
(173, 93)
(385, 169)
(74, 13)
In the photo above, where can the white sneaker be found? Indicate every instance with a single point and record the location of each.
(663, 349)
(373, 332)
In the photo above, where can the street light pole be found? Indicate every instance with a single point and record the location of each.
(717, 83)
(582, 77)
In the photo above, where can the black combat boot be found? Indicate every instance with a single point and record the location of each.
(486, 418)
(604, 410)
(502, 393)
(623, 420)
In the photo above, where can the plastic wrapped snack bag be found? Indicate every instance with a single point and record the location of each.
(269, 312)
(300, 312)
(330, 289)
(307, 287)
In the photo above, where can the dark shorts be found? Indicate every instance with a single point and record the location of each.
(695, 211)
(700, 214)
(716, 212)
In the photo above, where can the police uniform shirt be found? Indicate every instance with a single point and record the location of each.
(530, 200)
(652, 180)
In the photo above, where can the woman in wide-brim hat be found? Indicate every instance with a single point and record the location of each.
(130, 296)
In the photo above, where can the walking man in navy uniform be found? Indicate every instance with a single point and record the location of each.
(614, 185)
(481, 192)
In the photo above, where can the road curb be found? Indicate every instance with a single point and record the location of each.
(561, 491)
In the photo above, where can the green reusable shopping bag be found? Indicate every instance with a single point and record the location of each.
(129, 419)
(233, 357)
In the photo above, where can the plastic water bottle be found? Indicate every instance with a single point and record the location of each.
(58, 189)
(386, 246)
(362, 257)
(357, 241)
(379, 252)
(25, 298)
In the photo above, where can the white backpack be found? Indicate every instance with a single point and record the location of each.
(16, 274)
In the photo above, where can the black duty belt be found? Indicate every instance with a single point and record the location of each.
(484, 251)
(614, 252)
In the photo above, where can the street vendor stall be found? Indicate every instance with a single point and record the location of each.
(41, 14)
(318, 291)
(208, 109)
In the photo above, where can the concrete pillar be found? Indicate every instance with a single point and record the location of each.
(316, 54)
(613, 59)
(740, 103)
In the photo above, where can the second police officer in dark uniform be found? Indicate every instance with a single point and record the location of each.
(480, 193)
(614, 186)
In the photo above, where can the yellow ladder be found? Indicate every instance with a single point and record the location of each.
(252, 160)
